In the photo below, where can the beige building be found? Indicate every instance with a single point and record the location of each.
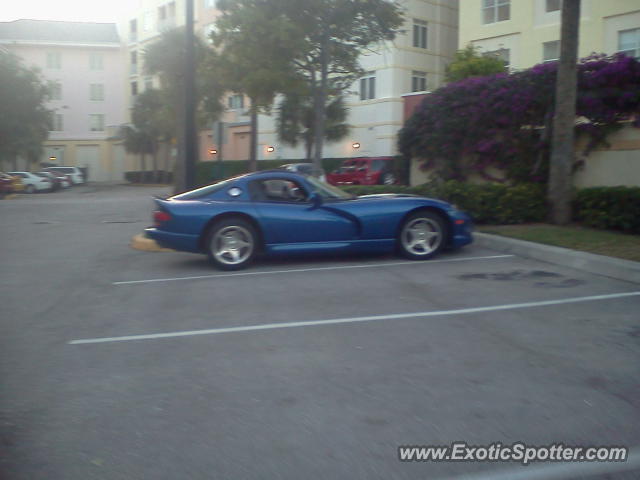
(84, 63)
(414, 62)
(527, 32)
(144, 25)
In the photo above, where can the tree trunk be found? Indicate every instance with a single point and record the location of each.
(562, 146)
(320, 98)
(154, 160)
(253, 147)
(143, 168)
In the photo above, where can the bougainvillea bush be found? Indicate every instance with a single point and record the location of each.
(503, 121)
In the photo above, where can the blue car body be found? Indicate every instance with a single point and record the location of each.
(368, 223)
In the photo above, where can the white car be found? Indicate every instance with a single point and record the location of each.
(304, 169)
(74, 173)
(33, 183)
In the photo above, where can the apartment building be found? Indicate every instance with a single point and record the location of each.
(144, 25)
(527, 32)
(414, 62)
(84, 63)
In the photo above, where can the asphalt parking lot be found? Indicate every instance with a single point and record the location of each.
(121, 364)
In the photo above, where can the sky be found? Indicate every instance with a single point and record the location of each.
(69, 10)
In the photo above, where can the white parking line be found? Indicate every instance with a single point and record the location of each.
(558, 471)
(312, 269)
(372, 318)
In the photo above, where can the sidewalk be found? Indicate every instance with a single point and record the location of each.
(599, 264)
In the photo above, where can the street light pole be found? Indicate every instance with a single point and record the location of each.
(190, 150)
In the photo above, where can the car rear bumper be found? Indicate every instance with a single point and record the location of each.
(175, 241)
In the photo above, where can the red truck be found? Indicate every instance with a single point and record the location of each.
(364, 171)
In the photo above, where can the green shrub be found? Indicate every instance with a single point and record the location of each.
(616, 208)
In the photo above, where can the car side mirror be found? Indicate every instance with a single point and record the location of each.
(315, 200)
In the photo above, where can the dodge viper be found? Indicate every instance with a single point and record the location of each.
(276, 212)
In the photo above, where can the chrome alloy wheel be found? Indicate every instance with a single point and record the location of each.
(421, 236)
(232, 245)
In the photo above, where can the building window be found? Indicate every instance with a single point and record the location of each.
(96, 122)
(55, 91)
(553, 5)
(57, 122)
(96, 61)
(147, 22)
(496, 10)
(162, 13)
(629, 42)
(54, 60)
(418, 81)
(133, 66)
(134, 89)
(235, 102)
(368, 86)
(419, 33)
(148, 83)
(551, 51)
(503, 54)
(96, 92)
(171, 10)
(210, 3)
(133, 30)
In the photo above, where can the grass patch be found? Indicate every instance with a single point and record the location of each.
(575, 237)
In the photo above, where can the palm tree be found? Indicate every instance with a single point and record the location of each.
(296, 121)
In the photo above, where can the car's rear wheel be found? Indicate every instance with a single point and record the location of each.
(422, 235)
(231, 244)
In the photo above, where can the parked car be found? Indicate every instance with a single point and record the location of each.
(74, 173)
(6, 183)
(364, 171)
(32, 182)
(275, 212)
(305, 169)
(55, 182)
(60, 180)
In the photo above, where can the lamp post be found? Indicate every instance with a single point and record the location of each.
(190, 101)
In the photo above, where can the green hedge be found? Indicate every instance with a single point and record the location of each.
(616, 208)
(486, 203)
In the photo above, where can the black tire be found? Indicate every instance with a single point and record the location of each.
(387, 178)
(422, 235)
(231, 244)
(29, 189)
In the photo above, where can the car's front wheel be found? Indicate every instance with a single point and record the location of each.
(231, 244)
(422, 235)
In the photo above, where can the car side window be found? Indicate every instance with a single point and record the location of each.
(277, 190)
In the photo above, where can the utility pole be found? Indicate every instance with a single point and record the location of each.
(562, 145)
(190, 149)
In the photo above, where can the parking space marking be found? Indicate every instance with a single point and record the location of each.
(311, 269)
(372, 318)
(558, 471)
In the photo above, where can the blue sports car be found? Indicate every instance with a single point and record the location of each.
(274, 212)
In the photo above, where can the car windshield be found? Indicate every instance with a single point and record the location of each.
(327, 191)
(203, 191)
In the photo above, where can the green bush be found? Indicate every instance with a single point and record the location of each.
(616, 208)
(486, 203)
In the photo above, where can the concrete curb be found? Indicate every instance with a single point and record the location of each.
(589, 262)
(142, 242)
